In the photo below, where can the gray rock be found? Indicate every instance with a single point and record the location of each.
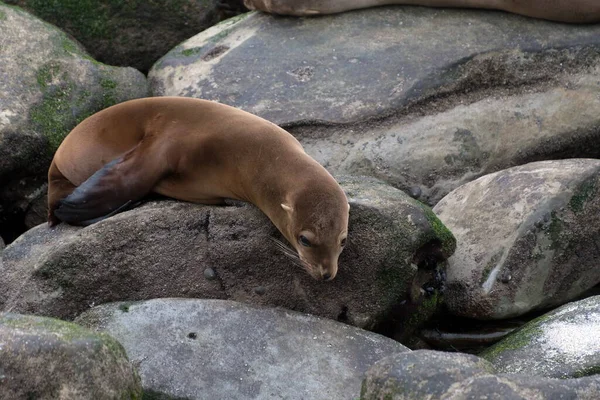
(47, 85)
(330, 69)
(521, 387)
(440, 98)
(236, 351)
(163, 250)
(453, 376)
(528, 238)
(44, 358)
(133, 34)
(403, 376)
(564, 343)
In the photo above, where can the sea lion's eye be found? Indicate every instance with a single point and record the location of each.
(343, 242)
(304, 241)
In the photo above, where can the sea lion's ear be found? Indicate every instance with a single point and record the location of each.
(287, 208)
(348, 206)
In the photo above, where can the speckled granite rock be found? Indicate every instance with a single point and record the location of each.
(528, 238)
(236, 351)
(564, 343)
(44, 358)
(454, 376)
(176, 249)
(403, 375)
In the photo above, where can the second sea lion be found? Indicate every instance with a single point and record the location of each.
(574, 11)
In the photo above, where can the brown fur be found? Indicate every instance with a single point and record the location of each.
(575, 11)
(200, 151)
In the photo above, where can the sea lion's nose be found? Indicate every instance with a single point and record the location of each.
(327, 276)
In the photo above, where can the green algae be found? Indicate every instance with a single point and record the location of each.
(587, 371)
(92, 20)
(46, 74)
(124, 307)
(554, 230)
(515, 340)
(585, 192)
(428, 307)
(192, 51)
(442, 233)
(54, 333)
(52, 115)
(67, 331)
(64, 104)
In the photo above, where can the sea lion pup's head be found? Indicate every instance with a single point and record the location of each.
(317, 227)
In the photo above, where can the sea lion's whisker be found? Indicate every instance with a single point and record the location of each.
(285, 249)
(294, 257)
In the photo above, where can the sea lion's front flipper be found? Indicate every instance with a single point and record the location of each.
(113, 188)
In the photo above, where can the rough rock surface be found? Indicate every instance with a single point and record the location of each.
(47, 85)
(132, 33)
(338, 73)
(175, 249)
(564, 343)
(453, 376)
(528, 238)
(44, 358)
(425, 99)
(236, 351)
(522, 387)
(405, 374)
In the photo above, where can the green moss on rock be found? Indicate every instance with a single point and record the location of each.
(109, 92)
(124, 307)
(515, 340)
(584, 193)
(64, 104)
(52, 115)
(89, 17)
(192, 51)
(428, 307)
(554, 230)
(392, 279)
(46, 74)
(592, 370)
(443, 234)
(66, 330)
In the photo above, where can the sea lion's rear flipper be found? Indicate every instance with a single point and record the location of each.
(113, 188)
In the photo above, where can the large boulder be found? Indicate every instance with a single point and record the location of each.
(237, 351)
(44, 358)
(47, 85)
(528, 238)
(175, 249)
(131, 33)
(454, 376)
(401, 376)
(564, 343)
(425, 99)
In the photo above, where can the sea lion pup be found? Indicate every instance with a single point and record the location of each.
(203, 152)
(574, 11)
